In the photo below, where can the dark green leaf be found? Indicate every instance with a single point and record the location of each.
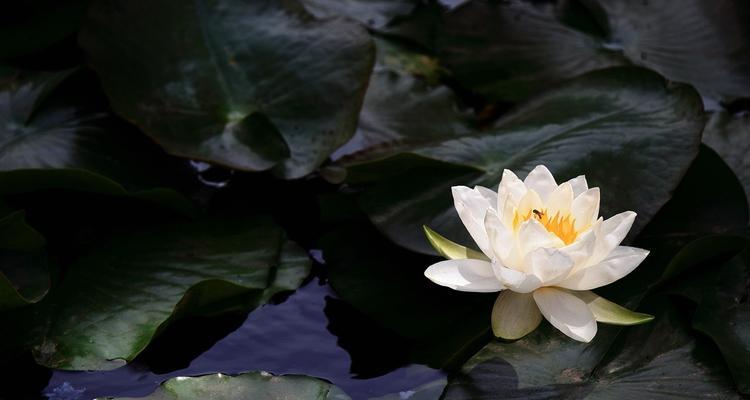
(24, 278)
(724, 315)
(628, 131)
(706, 44)
(250, 385)
(729, 135)
(373, 13)
(388, 284)
(113, 301)
(250, 85)
(511, 50)
(401, 109)
(56, 134)
(653, 361)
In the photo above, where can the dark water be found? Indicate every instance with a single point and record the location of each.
(292, 337)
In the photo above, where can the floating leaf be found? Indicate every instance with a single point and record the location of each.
(626, 129)
(24, 278)
(511, 50)
(55, 134)
(250, 85)
(250, 385)
(655, 361)
(729, 135)
(114, 301)
(724, 315)
(373, 13)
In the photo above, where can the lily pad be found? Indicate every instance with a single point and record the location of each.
(249, 85)
(729, 135)
(250, 385)
(511, 50)
(403, 105)
(24, 278)
(373, 13)
(724, 315)
(113, 302)
(626, 129)
(56, 134)
(387, 284)
(660, 360)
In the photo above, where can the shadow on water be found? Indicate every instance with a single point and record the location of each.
(311, 333)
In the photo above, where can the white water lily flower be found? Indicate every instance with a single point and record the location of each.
(544, 247)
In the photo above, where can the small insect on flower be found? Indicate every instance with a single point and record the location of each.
(543, 247)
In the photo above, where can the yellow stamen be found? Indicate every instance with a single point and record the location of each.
(562, 227)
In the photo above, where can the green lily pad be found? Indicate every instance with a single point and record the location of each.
(24, 278)
(724, 315)
(112, 302)
(511, 50)
(729, 135)
(402, 108)
(373, 13)
(387, 284)
(250, 385)
(247, 85)
(661, 360)
(627, 130)
(55, 134)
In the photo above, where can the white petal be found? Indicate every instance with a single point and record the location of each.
(488, 194)
(541, 180)
(579, 185)
(514, 315)
(467, 275)
(501, 238)
(620, 262)
(471, 207)
(611, 233)
(560, 201)
(512, 186)
(585, 208)
(567, 313)
(581, 250)
(533, 235)
(549, 265)
(506, 211)
(516, 281)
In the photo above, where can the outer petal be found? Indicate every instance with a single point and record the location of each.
(620, 262)
(582, 249)
(501, 238)
(585, 208)
(567, 313)
(541, 180)
(560, 201)
(511, 186)
(488, 194)
(533, 235)
(611, 233)
(516, 281)
(579, 185)
(549, 265)
(471, 207)
(608, 312)
(466, 275)
(515, 315)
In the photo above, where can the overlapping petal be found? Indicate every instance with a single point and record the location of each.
(471, 207)
(515, 315)
(467, 275)
(620, 262)
(567, 313)
(541, 181)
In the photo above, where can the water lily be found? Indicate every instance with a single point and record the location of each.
(543, 247)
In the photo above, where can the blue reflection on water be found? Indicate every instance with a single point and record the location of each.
(287, 338)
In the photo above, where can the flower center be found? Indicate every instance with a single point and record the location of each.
(562, 227)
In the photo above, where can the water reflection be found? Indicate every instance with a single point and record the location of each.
(288, 338)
